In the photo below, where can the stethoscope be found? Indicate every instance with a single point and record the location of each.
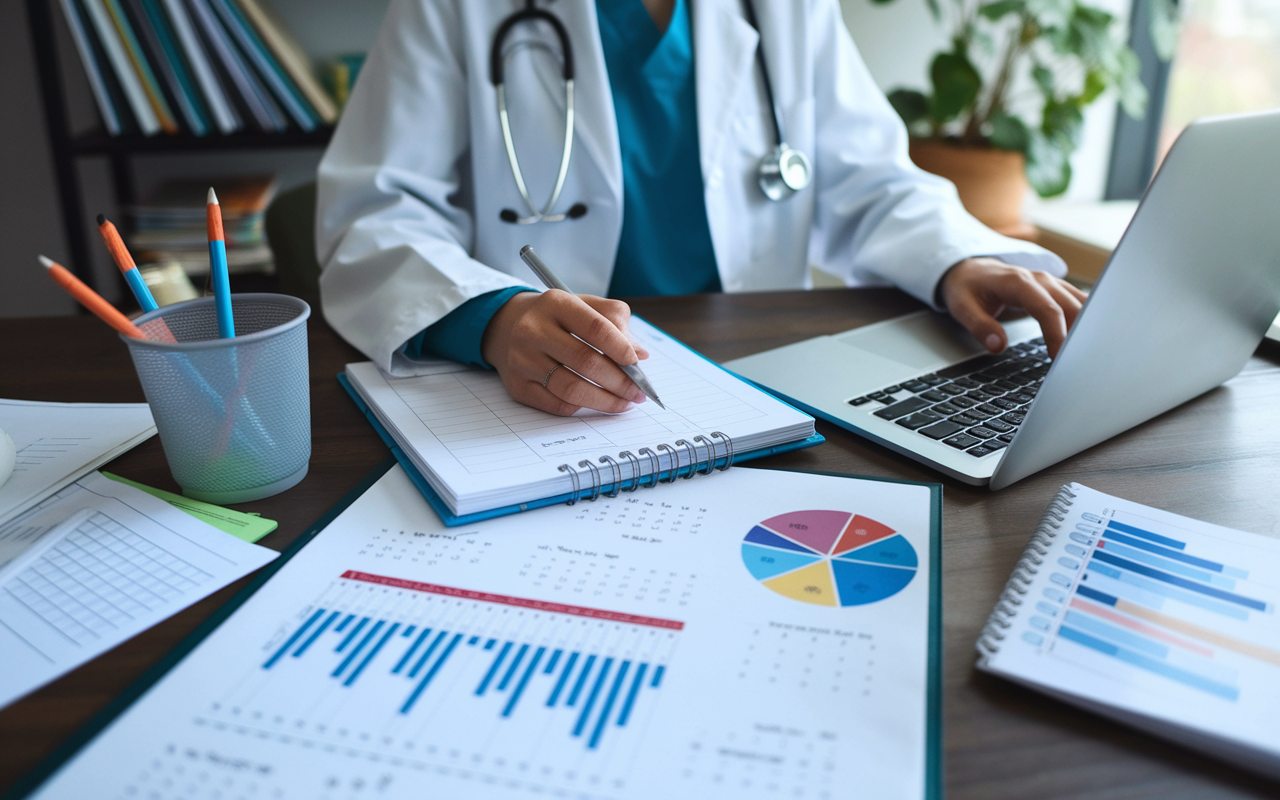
(781, 173)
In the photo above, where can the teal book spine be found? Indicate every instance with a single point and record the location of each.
(194, 107)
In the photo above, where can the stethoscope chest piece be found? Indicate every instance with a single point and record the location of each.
(784, 171)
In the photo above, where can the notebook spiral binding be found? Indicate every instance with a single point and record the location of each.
(1025, 572)
(608, 479)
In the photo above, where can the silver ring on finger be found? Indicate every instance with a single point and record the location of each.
(548, 375)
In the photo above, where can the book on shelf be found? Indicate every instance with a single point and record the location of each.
(95, 67)
(131, 86)
(159, 43)
(169, 225)
(138, 60)
(194, 67)
(224, 113)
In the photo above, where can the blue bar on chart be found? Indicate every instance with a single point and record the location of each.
(594, 692)
(1176, 580)
(1150, 664)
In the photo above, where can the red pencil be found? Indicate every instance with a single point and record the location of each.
(91, 299)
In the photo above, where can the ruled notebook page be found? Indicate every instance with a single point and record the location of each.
(479, 448)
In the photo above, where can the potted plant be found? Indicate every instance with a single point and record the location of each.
(1008, 95)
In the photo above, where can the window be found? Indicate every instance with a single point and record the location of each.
(1227, 61)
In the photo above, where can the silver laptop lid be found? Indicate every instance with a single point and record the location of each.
(1185, 299)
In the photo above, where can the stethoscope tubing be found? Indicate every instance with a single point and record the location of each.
(782, 172)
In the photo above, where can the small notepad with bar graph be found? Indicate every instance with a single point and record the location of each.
(1160, 621)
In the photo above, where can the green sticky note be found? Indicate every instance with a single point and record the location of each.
(249, 527)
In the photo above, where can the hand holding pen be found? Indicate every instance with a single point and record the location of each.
(559, 352)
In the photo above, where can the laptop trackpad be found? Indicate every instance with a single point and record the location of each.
(920, 341)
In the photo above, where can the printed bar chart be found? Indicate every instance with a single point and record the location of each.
(1135, 594)
(594, 688)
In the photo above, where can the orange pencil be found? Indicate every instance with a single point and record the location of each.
(91, 299)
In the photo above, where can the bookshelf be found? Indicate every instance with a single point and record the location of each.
(69, 148)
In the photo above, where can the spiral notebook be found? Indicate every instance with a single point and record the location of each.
(475, 453)
(1156, 620)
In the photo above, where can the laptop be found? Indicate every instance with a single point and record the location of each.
(1185, 299)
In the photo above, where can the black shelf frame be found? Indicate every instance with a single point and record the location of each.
(119, 151)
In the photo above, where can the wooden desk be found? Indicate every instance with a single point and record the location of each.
(1216, 458)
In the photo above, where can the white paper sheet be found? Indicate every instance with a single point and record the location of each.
(99, 563)
(59, 442)
(480, 449)
(636, 647)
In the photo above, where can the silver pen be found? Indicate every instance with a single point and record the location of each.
(553, 281)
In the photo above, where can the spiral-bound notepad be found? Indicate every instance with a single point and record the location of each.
(1157, 620)
(476, 453)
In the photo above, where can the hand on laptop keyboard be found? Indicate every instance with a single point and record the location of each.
(977, 289)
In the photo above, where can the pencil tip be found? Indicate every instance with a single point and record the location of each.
(48, 262)
(213, 198)
(102, 219)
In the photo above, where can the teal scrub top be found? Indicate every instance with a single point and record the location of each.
(665, 245)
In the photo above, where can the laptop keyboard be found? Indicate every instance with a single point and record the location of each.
(975, 406)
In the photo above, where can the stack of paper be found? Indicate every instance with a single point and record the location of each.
(96, 564)
(59, 442)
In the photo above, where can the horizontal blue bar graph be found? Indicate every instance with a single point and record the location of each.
(1175, 580)
(1160, 589)
(1094, 594)
(1150, 664)
(1148, 535)
(1176, 555)
(601, 692)
(1169, 565)
(1116, 635)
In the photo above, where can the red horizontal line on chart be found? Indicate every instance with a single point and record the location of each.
(520, 602)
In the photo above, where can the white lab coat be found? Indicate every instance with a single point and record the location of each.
(411, 187)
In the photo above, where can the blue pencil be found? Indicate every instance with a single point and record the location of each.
(218, 268)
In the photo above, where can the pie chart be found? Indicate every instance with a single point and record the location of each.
(829, 558)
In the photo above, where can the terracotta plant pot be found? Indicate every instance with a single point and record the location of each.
(992, 183)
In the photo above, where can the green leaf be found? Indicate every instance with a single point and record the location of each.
(1094, 42)
(956, 84)
(1001, 8)
(911, 105)
(934, 10)
(1044, 79)
(1048, 165)
(1051, 14)
(1133, 94)
(1164, 27)
(1063, 122)
(1009, 132)
(1095, 83)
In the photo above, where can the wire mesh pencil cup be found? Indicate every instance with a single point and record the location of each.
(234, 415)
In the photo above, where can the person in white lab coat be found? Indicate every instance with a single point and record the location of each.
(672, 119)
